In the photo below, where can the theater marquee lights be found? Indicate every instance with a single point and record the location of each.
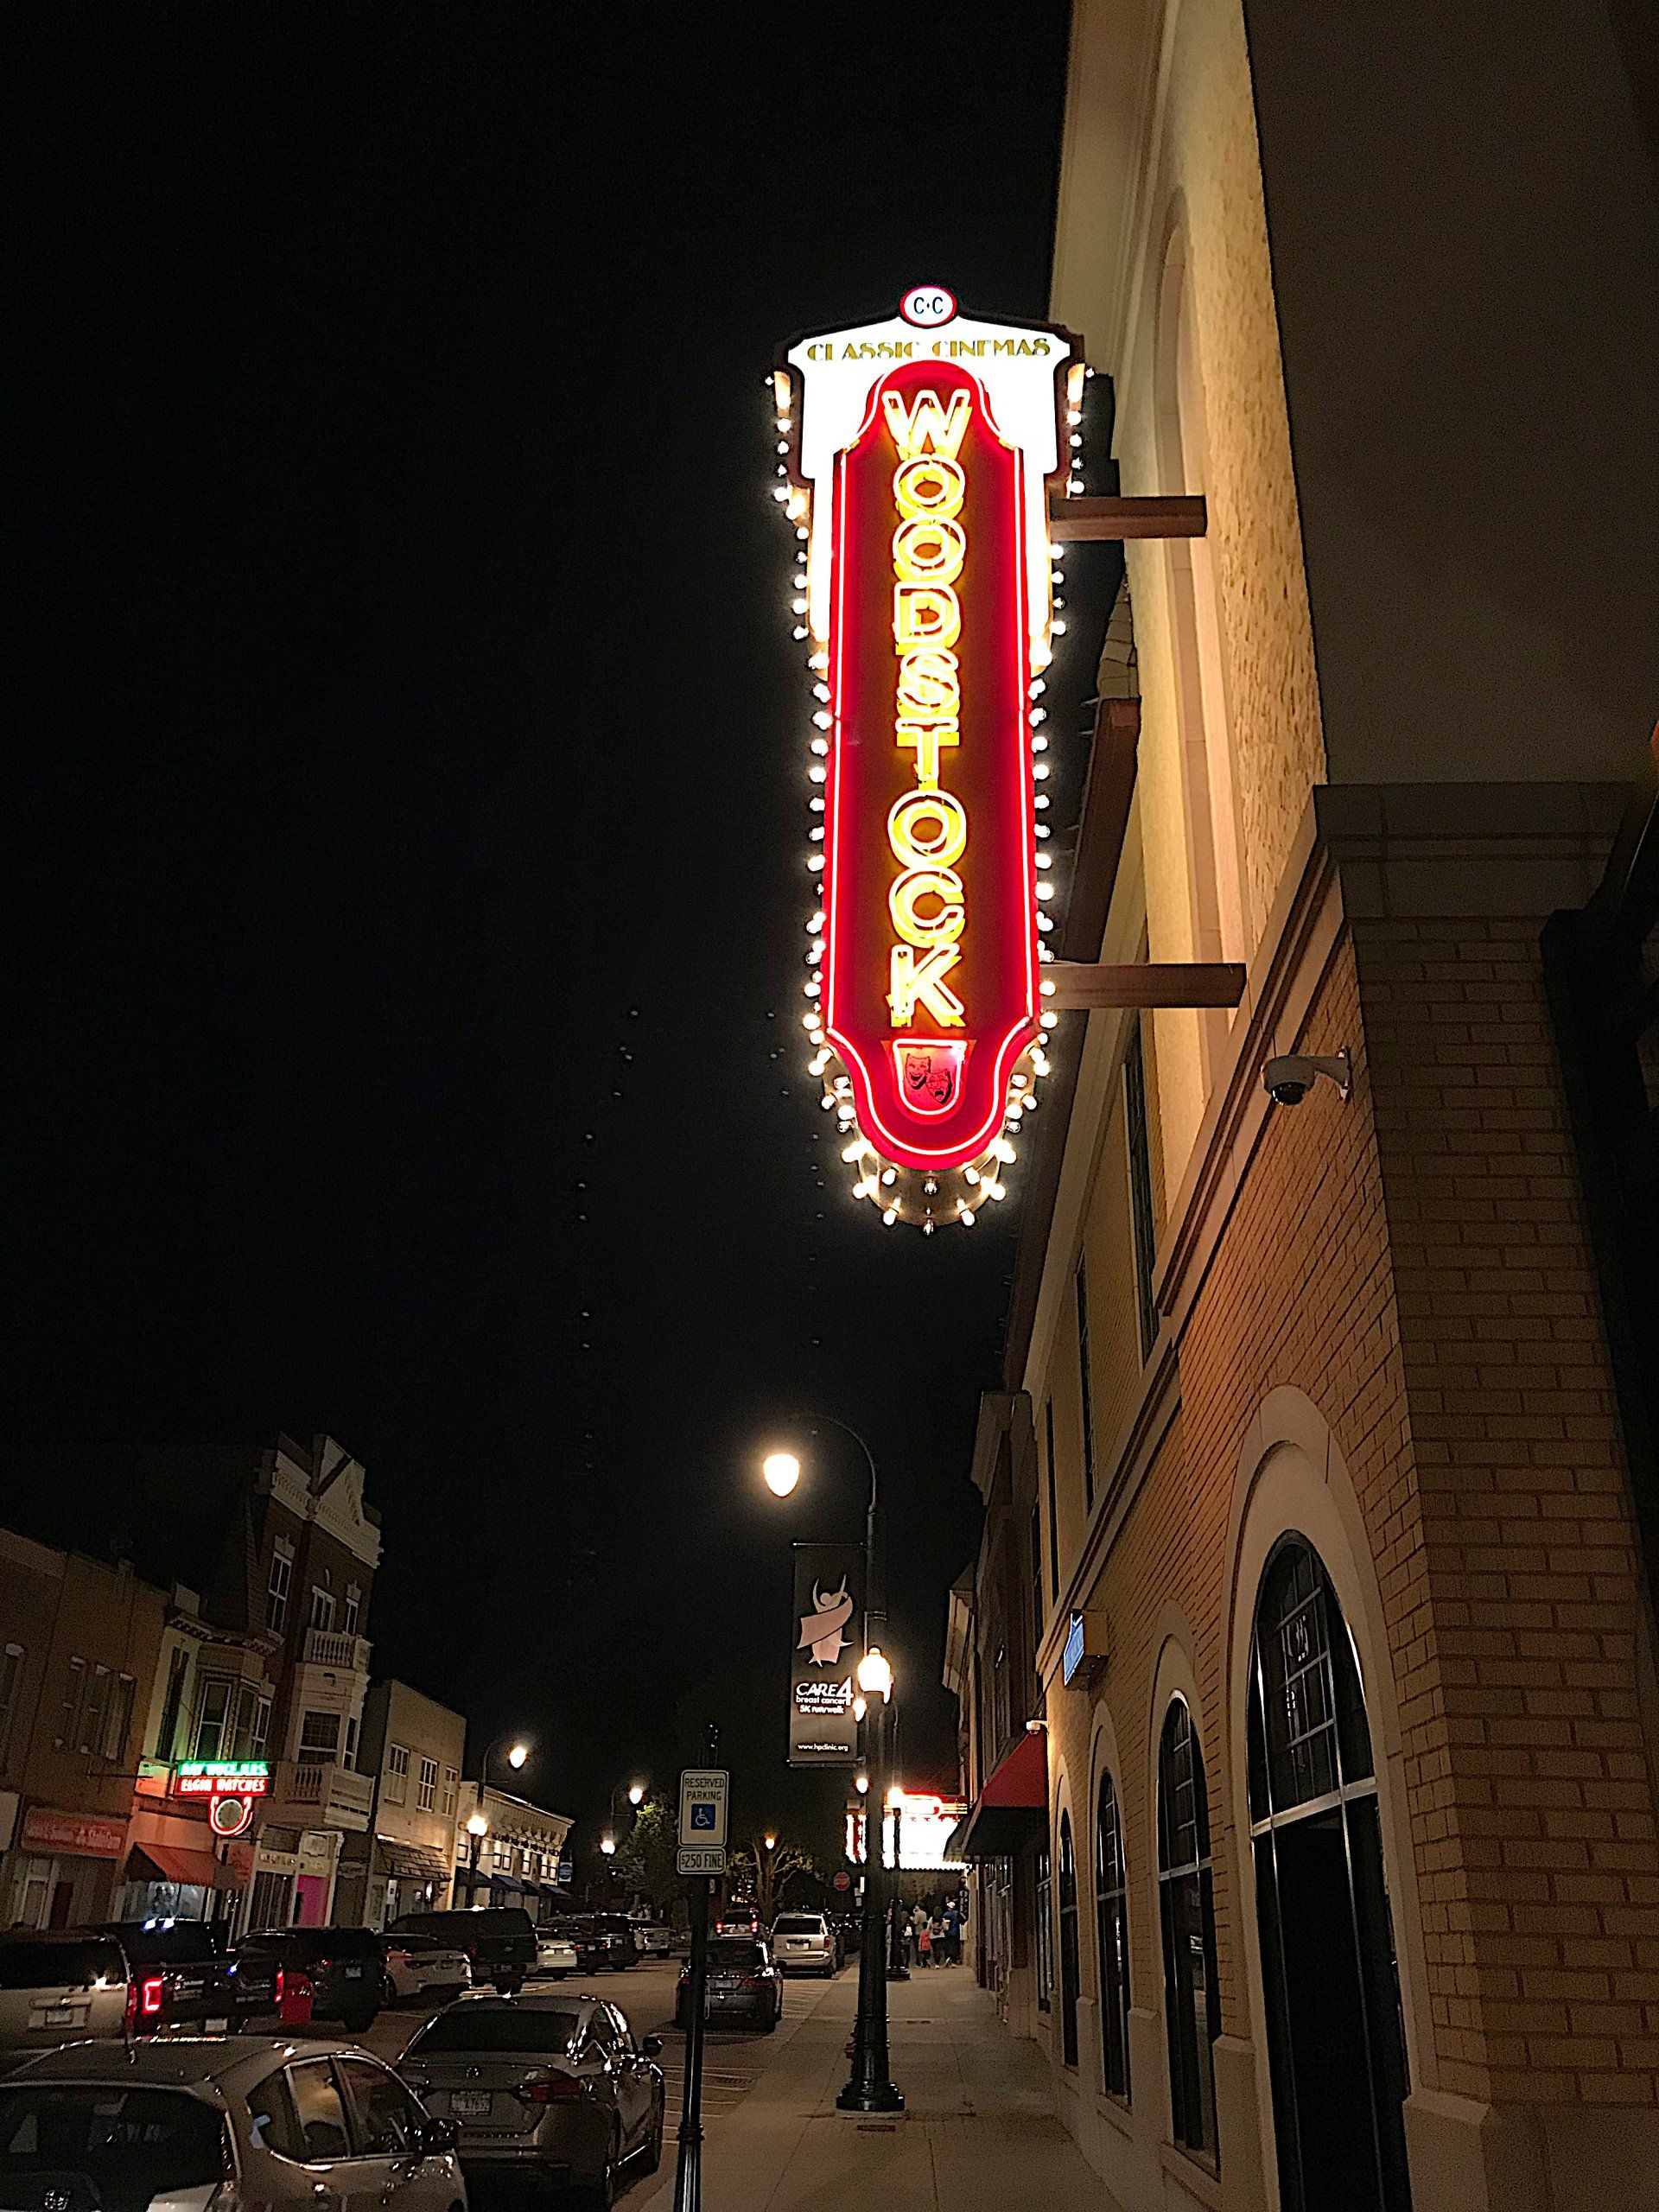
(916, 457)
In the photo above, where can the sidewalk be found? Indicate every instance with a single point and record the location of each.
(979, 2134)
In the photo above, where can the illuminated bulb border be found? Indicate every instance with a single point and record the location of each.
(927, 1200)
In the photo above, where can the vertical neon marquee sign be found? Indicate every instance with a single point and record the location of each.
(919, 453)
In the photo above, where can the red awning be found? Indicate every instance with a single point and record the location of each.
(1012, 1809)
(173, 1862)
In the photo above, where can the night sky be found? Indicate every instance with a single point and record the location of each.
(407, 817)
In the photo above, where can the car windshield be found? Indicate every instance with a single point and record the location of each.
(797, 1923)
(96, 2149)
(58, 1965)
(167, 1942)
(544, 2029)
(729, 1952)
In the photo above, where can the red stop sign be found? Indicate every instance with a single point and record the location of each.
(844, 1880)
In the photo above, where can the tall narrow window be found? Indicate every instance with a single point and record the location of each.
(318, 1738)
(1080, 1293)
(1068, 1947)
(1112, 1940)
(166, 1734)
(118, 1720)
(69, 1713)
(353, 1609)
(322, 1608)
(1187, 1909)
(1036, 1581)
(427, 1788)
(212, 1739)
(282, 1575)
(395, 1786)
(95, 1710)
(1053, 1507)
(1141, 1213)
(11, 1672)
(1043, 1906)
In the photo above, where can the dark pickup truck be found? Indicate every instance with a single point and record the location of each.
(497, 1939)
(181, 1972)
(305, 1974)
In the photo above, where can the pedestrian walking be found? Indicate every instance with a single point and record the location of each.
(925, 1943)
(952, 1937)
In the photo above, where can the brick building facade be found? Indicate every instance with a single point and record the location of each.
(1307, 1675)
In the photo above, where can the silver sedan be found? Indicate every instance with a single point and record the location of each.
(551, 2088)
(298, 2125)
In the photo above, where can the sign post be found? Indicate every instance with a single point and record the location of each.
(705, 1794)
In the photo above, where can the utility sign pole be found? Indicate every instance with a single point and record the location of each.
(705, 1794)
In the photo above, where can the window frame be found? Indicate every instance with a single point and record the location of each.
(1085, 1387)
(1069, 1955)
(1186, 1904)
(426, 1785)
(279, 1585)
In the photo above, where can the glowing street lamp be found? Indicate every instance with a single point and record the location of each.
(782, 1471)
(607, 1845)
(874, 1674)
(517, 1754)
(477, 1826)
(636, 1793)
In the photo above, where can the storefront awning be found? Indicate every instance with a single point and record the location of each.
(1012, 1809)
(415, 1862)
(174, 1862)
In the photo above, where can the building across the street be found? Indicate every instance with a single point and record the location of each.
(412, 1749)
(510, 1852)
(1310, 1712)
(78, 1641)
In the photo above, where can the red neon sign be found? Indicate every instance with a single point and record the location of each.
(931, 962)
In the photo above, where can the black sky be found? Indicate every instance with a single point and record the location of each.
(408, 810)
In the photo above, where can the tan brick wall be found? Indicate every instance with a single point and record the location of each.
(1495, 1511)
(1540, 1873)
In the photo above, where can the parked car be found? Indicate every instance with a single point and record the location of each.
(300, 1975)
(59, 1988)
(545, 2088)
(497, 1939)
(600, 1947)
(555, 1953)
(744, 1986)
(656, 1938)
(804, 1942)
(184, 1976)
(622, 1943)
(739, 1920)
(421, 1966)
(292, 2127)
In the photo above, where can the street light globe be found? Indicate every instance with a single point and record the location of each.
(477, 1824)
(517, 1754)
(875, 1675)
(636, 1794)
(862, 1783)
(771, 1843)
(782, 1471)
(860, 1707)
(607, 1845)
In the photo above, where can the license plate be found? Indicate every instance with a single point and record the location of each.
(470, 2104)
(61, 2015)
(354, 1973)
(219, 2024)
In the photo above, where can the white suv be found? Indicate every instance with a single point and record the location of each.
(802, 1942)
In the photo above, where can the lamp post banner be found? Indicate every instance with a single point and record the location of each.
(826, 1636)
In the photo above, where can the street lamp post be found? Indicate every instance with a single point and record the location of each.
(870, 2086)
(478, 1827)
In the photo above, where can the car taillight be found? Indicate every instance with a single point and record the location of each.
(549, 2089)
(155, 1990)
(130, 2019)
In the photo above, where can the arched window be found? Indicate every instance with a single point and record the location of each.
(1336, 2047)
(1043, 1913)
(1112, 1940)
(1069, 1972)
(1187, 1901)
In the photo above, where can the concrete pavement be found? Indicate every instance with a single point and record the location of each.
(980, 2133)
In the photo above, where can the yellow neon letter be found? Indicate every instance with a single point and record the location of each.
(927, 424)
(946, 839)
(927, 738)
(944, 927)
(929, 550)
(928, 684)
(915, 983)
(925, 614)
(929, 485)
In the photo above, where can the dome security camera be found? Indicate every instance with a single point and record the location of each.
(1288, 1078)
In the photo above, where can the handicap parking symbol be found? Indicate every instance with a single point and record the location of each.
(702, 1813)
